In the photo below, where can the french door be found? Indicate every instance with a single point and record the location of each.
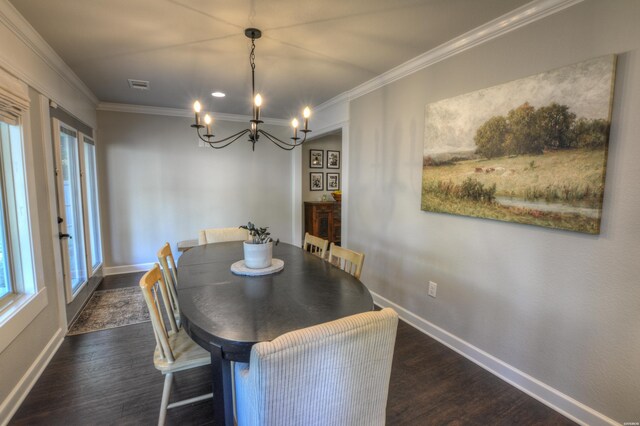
(78, 218)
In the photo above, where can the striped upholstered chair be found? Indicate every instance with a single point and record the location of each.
(335, 373)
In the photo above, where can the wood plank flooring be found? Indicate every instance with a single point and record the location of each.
(108, 378)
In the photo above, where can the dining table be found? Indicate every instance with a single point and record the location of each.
(227, 314)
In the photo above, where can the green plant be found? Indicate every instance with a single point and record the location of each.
(259, 235)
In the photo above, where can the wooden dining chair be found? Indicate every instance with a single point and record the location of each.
(221, 235)
(336, 373)
(315, 245)
(175, 351)
(347, 260)
(170, 275)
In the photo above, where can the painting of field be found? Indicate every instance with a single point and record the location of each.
(530, 151)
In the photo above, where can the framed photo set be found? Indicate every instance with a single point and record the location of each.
(333, 159)
(316, 158)
(333, 181)
(316, 181)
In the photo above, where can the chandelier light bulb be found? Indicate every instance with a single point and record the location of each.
(196, 106)
(294, 123)
(207, 119)
(258, 100)
(306, 113)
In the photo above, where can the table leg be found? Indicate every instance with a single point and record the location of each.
(222, 388)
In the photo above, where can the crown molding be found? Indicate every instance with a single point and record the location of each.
(177, 112)
(504, 24)
(15, 22)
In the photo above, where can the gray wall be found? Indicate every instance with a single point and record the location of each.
(16, 359)
(331, 142)
(560, 306)
(157, 185)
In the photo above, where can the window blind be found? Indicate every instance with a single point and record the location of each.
(14, 98)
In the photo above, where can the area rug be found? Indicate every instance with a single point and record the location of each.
(110, 309)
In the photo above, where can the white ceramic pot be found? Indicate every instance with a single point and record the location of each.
(258, 256)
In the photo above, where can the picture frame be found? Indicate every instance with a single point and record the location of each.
(333, 159)
(316, 181)
(333, 181)
(316, 158)
(530, 151)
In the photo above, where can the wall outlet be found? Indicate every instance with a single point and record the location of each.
(433, 287)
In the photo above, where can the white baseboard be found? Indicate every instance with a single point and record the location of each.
(12, 402)
(544, 393)
(126, 269)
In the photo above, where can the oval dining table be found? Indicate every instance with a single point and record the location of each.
(227, 314)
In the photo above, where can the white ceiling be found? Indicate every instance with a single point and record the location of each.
(310, 51)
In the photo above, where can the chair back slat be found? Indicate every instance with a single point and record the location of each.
(315, 245)
(222, 235)
(165, 257)
(150, 283)
(348, 260)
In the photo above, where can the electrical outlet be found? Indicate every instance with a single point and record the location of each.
(433, 287)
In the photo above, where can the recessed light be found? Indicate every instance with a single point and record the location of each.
(218, 95)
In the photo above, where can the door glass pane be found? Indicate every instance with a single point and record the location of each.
(92, 204)
(73, 207)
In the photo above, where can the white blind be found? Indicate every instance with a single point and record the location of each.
(14, 98)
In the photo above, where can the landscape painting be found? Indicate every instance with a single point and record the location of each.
(530, 151)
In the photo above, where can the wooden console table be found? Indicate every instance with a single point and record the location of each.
(323, 219)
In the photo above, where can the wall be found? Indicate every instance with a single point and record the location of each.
(558, 307)
(331, 142)
(157, 185)
(24, 54)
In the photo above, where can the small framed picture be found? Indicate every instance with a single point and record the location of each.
(333, 181)
(316, 158)
(333, 159)
(315, 181)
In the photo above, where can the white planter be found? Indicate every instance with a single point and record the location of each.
(258, 256)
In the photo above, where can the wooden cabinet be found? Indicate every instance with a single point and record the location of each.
(323, 219)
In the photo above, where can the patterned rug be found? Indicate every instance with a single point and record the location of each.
(110, 309)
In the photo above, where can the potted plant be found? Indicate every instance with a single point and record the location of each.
(259, 248)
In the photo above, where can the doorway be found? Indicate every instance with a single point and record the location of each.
(321, 187)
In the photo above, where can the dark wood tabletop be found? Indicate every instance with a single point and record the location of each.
(227, 313)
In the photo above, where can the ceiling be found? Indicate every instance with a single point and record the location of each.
(310, 51)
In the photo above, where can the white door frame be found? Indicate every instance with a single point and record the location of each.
(297, 213)
(47, 131)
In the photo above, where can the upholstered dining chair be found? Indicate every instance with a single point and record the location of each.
(315, 245)
(335, 373)
(221, 235)
(347, 260)
(170, 275)
(175, 351)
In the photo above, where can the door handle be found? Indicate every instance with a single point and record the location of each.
(61, 235)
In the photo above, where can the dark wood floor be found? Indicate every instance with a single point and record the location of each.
(108, 378)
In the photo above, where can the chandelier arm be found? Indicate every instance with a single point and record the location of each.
(233, 138)
(278, 142)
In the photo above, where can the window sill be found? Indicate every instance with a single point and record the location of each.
(17, 316)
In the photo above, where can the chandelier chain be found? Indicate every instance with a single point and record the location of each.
(252, 62)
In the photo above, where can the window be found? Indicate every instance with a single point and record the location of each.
(22, 293)
(16, 259)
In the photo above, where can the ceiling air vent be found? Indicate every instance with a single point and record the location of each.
(139, 84)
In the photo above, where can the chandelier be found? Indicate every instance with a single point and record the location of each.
(254, 132)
